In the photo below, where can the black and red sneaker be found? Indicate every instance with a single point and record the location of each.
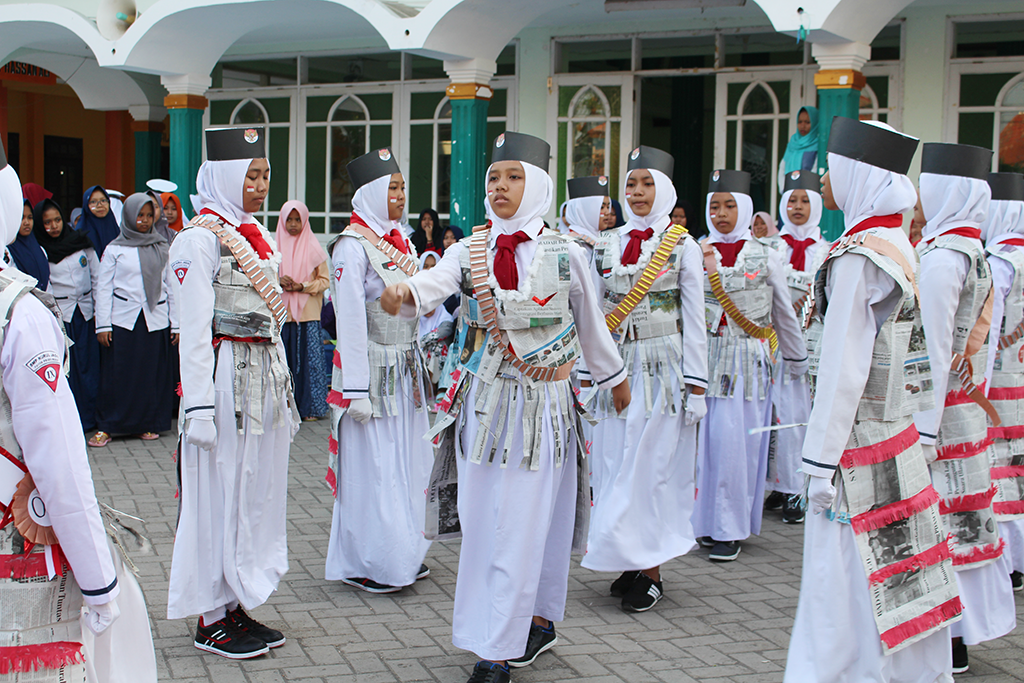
(226, 639)
(371, 586)
(255, 629)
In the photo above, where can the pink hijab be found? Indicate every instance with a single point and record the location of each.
(300, 255)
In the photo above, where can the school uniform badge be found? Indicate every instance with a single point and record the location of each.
(180, 269)
(46, 364)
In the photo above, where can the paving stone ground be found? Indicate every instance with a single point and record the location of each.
(716, 623)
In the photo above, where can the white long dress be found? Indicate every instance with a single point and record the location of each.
(230, 545)
(835, 638)
(379, 509)
(517, 524)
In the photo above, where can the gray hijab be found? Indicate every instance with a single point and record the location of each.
(152, 246)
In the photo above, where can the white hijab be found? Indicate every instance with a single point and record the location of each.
(951, 202)
(1005, 220)
(536, 202)
(810, 229)
(584, 215)
(220, 185)
(664, 201)
(744, 217)
(371, 203)
(11, 204)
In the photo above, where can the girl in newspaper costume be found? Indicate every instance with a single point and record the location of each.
(587, 206)
(60, 561)
(745, 295)
(510, 424)
(1003, 232)
(643, 461)
(237, 413)
(380, 463)
(956, 301)
(877, 591)
(804, 250)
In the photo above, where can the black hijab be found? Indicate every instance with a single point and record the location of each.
(57, 248)
(419, 236)
(29, 258)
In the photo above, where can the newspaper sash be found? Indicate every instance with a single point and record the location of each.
(962, 362)
(488, 311)
(583, 238)
(249, 264)
(1008, 340)
(405, 262)
(730, 307)
(669, 240)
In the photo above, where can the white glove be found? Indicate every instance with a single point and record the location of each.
(98, 618)
(930, 454)
(201, 432)
(360, 410)
(820, 494)
(798, 368)
(696, 409)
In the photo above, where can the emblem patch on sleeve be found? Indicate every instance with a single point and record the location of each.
(46, 364)
(180, 269)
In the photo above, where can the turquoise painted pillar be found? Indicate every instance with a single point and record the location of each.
(469, 153)
(838, 95)
(147, 152)
(186, 141)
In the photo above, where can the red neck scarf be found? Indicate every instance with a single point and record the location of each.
(505, 270)
(798, 259)
(1013, 242)
(974, 233)
(729, 251)
(894, 220)
(636, 239)
(395, 238)
(251, 233)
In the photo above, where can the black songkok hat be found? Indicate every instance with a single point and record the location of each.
(228, 144)
(803, 180)
(372, 165)
(1007, 187)
(650, 157)
(965, 161)
(724, 180)
(588, 186)
(510, 146)
(872, 145)
(3, 156)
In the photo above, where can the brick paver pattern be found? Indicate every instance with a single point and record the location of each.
(716, 623)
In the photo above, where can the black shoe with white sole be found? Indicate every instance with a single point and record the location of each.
(371, 586)
(1017, 581)
(774, 501)
(622, 584)
(960, 664)
(423, 573)
(226, 639)
(706, 542)
(254, 628)
(490, 672)
(792, 510)
(642, 595)
(540, 640)
(725, 551)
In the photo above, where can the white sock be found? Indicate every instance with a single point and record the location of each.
(214, 615)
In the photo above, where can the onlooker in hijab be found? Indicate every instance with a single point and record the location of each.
(802, 150)
(305, 277)
(452, 234)
(28, 256)
(428, 235)
(76, 215)
(98, 221)
(683, 214)
(35, 193)
(172, 211)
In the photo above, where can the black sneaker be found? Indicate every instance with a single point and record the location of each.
(1017, 581)
(706, 542)
(792, 511)
(489, 672)
(642, 595)
(371, 586)
(960, 658)
(423, 573)
(725, 551)
(226, 639)
(254, 628)
(539, 640)
(622, 584)
(775, 500)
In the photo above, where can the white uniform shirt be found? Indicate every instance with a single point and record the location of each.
(73, 283)
(120, 293)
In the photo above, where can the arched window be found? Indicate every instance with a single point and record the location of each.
(758, 118)
(1009, 122)
(590, 119)
(348, 135)
(442, 175)
(869, 109)
(249, 112)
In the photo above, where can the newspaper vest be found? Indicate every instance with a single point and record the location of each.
(962, 472)
(238, 309)
(730, 349)
(35, 613)
(883, 484)
(653, 329)
(1007, 395)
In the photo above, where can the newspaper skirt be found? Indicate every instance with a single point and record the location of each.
(835, 636)
(791, 398)
(1007, 453)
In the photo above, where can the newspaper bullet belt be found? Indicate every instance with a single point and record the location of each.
(1009, 340)
(635, 295)
(730, 307)
(485, 300)
(405, 262)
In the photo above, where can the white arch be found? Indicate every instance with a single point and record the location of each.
(340, 101)
(600, 95)
(746, 93)
(832, 21)
(253, 100)
(1007, 87)
(437, 110)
